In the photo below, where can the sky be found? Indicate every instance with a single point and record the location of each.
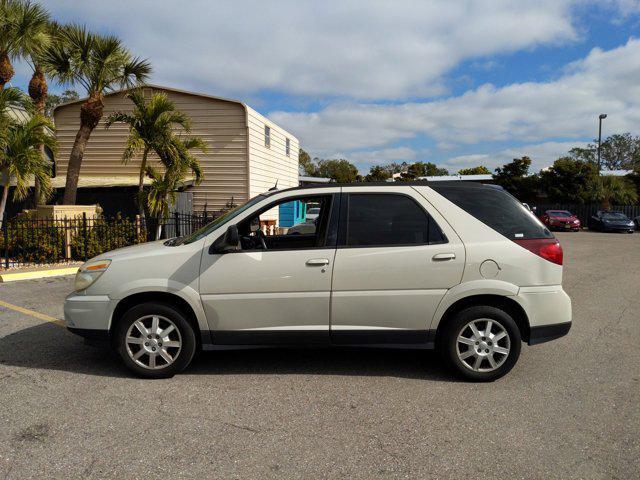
(456, 83)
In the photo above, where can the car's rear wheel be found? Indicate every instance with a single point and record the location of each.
(481, 343)
(154, 340)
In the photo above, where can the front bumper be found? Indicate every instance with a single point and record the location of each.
(88, 315)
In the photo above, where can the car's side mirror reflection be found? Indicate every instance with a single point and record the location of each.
(227, 243)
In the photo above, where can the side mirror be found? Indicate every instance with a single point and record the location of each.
(227, 243)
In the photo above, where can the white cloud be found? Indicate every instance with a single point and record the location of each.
(367, 158)
(562, 110)
(350, 48)
(541, 154)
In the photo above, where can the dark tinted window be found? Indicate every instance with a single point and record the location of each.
(384, 220)
(495, 208)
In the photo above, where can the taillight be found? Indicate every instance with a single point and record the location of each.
(547, 248)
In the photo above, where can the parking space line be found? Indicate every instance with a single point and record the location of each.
(33, 313)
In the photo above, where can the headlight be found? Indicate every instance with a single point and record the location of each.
(576, 221)
(90, 272)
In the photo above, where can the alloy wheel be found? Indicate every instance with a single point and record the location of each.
(153, 342)
(483, 345)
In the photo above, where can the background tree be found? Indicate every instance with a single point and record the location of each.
(514, 177)
(98, 64)
(42, 31)
(20, 158)
(177, 162)
(21, 29)
(422, 169)
(377, 173)
(479, 170)
(53, 100)
(621, 151)
(568, 180)
(611, 190)
(339, 170)
(307, 165)
(151, 125)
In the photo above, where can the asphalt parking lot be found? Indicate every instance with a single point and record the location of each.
(569, 409)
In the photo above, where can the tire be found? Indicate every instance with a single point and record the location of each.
(181, 338)
(494, 362)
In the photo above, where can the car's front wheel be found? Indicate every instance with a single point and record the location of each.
(481, 343)
(154, 340)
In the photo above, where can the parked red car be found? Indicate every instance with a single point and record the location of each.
(560, 220)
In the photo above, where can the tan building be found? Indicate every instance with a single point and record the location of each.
(247, 153)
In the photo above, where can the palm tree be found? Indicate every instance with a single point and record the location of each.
(177, 162)
(610, 190)
(151, 127)
(20, 157)
(22, 30)
(99, 64)
(44, 31)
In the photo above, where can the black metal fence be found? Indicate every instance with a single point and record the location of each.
(583, 212)
(26, 241)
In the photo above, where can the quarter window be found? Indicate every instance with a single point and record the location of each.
(267, 136)
(387, 220)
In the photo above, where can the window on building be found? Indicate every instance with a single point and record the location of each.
(287, 147)
(388, 220)
(267, 136)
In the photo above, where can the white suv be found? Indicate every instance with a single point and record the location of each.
(464, 268)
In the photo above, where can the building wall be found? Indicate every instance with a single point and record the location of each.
(220, 123)
(268, 164)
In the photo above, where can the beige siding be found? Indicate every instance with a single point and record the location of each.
(220, 123)
(268, 164)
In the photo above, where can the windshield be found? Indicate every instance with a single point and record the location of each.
(559, 213)
(210, 227)
(614, 216)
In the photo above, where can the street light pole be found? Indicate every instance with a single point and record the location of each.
(601, 117)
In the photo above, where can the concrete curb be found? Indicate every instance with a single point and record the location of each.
(30, 275)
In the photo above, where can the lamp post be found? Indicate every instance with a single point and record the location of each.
(601, 117)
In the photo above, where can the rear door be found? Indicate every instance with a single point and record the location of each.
(396, 257)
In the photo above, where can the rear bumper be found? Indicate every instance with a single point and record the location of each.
(546, 333)
(548, 309)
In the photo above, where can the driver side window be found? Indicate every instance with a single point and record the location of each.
(291, 224)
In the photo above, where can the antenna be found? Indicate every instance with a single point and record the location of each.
(275, 187)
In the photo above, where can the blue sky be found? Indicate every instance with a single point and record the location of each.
(456, 83)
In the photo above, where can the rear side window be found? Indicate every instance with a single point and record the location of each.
(497, 209)
(388, 220)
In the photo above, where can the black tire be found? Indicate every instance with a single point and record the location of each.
(187, 337)
(448, 343)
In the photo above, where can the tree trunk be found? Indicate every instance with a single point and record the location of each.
(38, 89)
(90, 115)
(159, 230)
(143, 167)
(606, 204)
(5, 194)
(6, 70)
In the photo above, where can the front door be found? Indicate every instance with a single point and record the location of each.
(277, 288)
(395, 260)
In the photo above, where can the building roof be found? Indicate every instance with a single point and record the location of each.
(171, 89)
(307, 179)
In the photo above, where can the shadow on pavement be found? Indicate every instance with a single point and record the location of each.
(50, 347)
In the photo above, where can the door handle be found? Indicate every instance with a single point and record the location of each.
(317, 262)
(440, 257)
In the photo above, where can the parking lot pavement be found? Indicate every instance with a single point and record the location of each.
(569, 409)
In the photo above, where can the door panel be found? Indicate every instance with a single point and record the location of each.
(248, 294)
(388, 294)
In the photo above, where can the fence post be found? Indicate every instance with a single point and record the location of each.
(176, 216)
(5, 234)
(67, 239)
(84, 233)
